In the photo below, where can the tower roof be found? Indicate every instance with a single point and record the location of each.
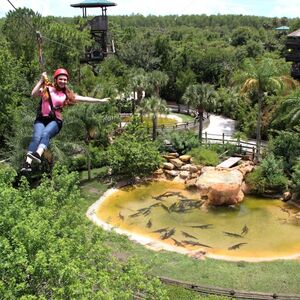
(94, 3)
(295, 33)
(283, 28)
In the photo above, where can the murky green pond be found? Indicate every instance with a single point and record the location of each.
(166, 212)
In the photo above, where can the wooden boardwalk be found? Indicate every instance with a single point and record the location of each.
(231, 161)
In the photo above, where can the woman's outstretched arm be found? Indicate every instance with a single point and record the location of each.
(90, 99)
(36, 89)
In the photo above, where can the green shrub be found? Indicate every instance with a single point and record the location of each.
(125, 106)
(50, 251)
(269, 176)
(78, 162)
(296, 178)
(99, 157)
(184, 141)
(130, 156)
(204, 156)
(286, 147)
(223, 149)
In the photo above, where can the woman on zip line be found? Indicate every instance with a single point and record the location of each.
(49, 120)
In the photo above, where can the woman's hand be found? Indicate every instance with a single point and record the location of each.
(42, 81)
(44, 77)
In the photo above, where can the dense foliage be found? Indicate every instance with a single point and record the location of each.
(296, 179)
(268, 176)
(48, 253)
(204, 156)
(285, 146)
(133, 154)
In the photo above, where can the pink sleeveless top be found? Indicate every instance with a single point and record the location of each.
(58, 99)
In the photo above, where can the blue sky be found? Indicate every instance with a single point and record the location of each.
(268, 8)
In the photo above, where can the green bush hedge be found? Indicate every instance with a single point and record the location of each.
(204, 156)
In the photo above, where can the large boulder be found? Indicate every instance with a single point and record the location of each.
(224, 194)
(221, 187)
(185, 158)
(177, 162)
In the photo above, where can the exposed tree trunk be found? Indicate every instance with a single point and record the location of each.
(142, 117)
(139, 96)
(200, 116)
(88, 157)
(89, 166)
(154, 125)
(133, 105)
(157, 91)
(258, 126)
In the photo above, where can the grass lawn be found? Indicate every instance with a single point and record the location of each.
(281, 276)
(185, 118)
(165, 120)
(160, 121)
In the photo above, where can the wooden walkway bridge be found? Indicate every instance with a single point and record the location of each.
(228, 163)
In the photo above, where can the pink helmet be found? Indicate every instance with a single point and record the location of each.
(60, 72)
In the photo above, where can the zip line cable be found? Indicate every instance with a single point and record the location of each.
(61, 44)
(39, 40)
(30, 25)
(40, 37)
(38, 33)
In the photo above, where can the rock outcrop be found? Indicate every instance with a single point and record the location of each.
(219, 186)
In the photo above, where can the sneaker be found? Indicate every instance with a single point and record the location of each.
(35, 156)
(26, 167)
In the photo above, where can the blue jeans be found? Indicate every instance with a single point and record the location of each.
(43, 131)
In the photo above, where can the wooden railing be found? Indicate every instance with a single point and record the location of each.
(178, 126)
(232, 293)
(207, 138)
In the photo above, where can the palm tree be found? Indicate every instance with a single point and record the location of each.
(157, 80)
(84, 124)
(154, 106)
(201, 97)
(288, 113)
(138, 84)
(259, 79)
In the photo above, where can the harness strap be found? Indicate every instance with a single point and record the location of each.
(51, 103)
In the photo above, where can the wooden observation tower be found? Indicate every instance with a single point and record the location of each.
(104, 44)
(293, 52)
